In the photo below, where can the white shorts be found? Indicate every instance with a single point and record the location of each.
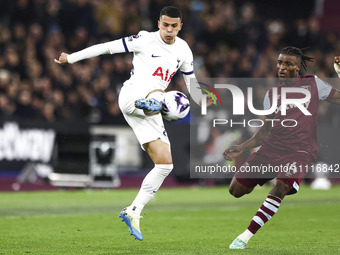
(146, 128)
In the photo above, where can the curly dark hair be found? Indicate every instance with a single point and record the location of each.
(290, 50)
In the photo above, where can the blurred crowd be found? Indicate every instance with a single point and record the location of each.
(232, 38)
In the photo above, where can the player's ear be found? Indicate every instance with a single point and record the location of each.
(159, 24)
(180, 26)
(298, 69)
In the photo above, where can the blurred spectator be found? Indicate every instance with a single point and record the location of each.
(228, 38)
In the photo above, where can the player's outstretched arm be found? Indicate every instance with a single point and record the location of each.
(111, 47)
(257, 140)
(336, 97)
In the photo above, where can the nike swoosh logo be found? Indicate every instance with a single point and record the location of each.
(154, 56)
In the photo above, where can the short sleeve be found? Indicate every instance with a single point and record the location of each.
(324, 89)
(187, 67)
(266, 101)
(136, 43)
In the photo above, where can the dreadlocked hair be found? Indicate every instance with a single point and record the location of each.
(290, 50)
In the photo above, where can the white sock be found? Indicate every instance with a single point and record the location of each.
(151, 183)
(245, 236)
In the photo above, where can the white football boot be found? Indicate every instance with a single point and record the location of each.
(131, 218)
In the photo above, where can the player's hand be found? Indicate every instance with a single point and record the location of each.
(62, 59)
(210, 101)
(232, 152)
(337, 65)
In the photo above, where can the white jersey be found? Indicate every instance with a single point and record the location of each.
(154, 63)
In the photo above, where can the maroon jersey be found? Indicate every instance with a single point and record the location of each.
(301, 135)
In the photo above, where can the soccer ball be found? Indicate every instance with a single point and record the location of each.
(176, 106)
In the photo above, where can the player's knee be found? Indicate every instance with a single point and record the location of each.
(163, 157)
(235, 191)
(164, 169)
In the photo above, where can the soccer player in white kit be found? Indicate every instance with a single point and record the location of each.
(156, 58)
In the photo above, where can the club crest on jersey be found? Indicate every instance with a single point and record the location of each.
(163, 74)
(307, 87)
(178, 61)
(130, 38)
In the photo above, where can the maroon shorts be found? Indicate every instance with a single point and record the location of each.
(267, 164)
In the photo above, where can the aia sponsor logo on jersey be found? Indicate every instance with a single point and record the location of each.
(163, 74)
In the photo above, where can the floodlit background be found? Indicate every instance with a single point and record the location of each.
(66, 120)
(63, 135)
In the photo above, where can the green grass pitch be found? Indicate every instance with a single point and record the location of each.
(179, 221)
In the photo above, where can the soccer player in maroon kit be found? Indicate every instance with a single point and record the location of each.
(293, 147)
